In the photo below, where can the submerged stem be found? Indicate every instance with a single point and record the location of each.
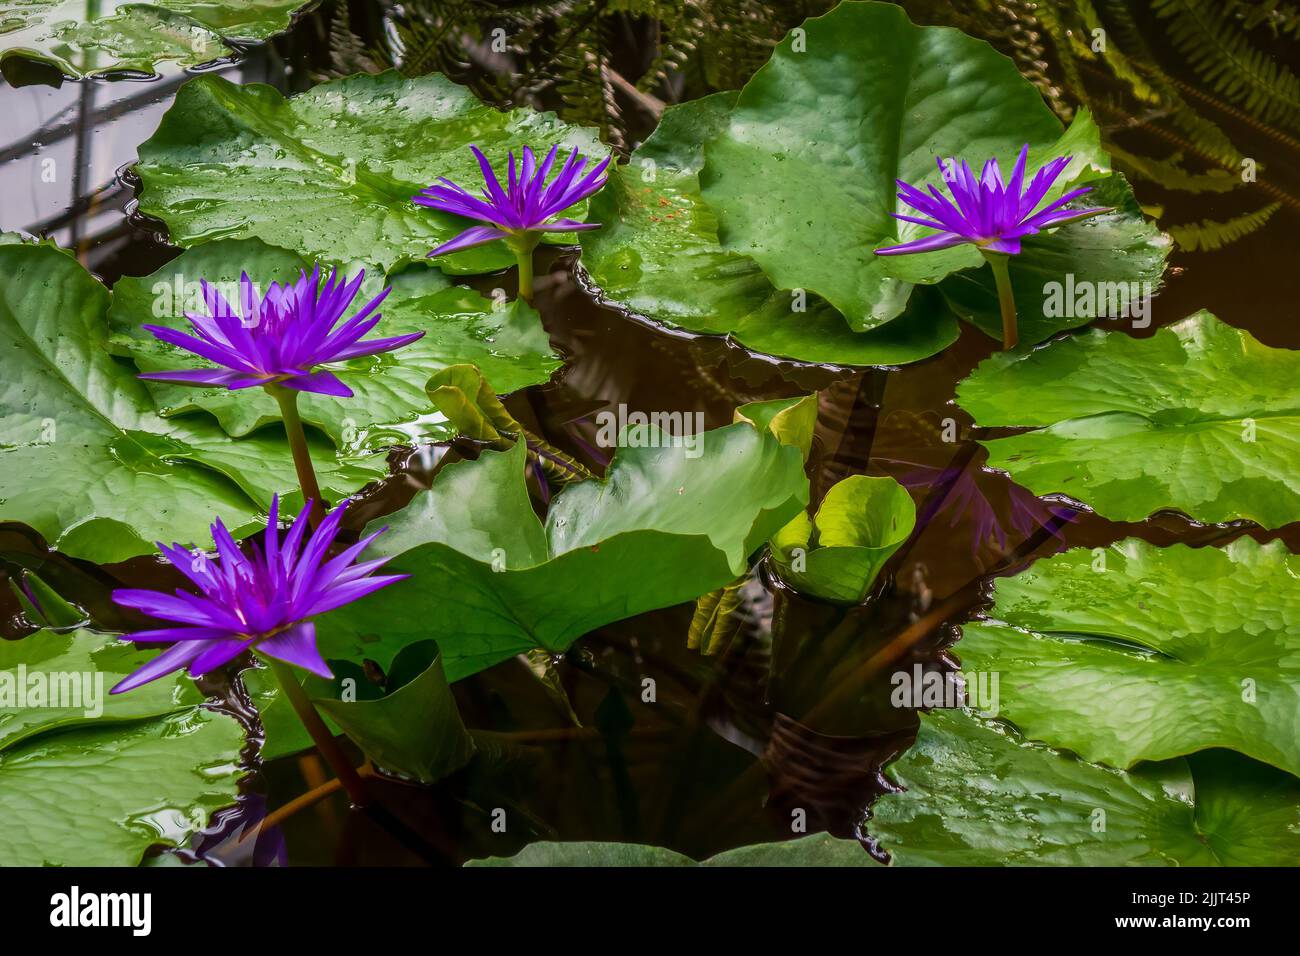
(288, 400)
(999, 263)
(329, 747)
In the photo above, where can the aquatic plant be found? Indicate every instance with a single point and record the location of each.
(521, 213)
(992, 215)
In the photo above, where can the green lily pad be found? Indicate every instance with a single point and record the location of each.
(80, 789)
(802, 176)
(414, 728)
(77, 668)
(657, 254)
(665, 526)
(88, 462)
(389, 405)
(791, 420)
(331, 172)
(838, 553)
(83, 38)
(1140, 653)
(819, 849)
(978, 795)
(1200, 417)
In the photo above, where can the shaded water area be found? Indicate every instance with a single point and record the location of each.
(795, 715)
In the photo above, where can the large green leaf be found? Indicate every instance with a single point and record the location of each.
(88, 462)
(1200, 417)
(802, 176)
(978, 795)
(412, 727)
(331, 172)
(658, 255)
(80, 789)
(82, 38)
(1141, 653)
(389, 405)
(838, 553)
(817, 850)
(665, 526)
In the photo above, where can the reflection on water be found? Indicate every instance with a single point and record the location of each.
(793, 716)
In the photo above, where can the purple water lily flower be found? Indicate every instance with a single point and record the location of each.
(526, 204)
(986, 211)
(261, 599)
(280, 338)
(992, 215)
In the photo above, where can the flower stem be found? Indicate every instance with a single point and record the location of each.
(329, 747)
(522, 245)
(288, 400)
(999, 263)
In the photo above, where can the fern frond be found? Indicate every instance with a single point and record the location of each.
(1220, 50)
(1206, 236)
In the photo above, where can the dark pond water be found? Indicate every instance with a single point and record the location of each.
(726, 753)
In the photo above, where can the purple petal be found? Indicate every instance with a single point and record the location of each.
(474, 236)
(321, 382)
(297, 646)
(172, 659)
(942, 240)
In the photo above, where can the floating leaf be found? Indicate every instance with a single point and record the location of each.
(88, 462)
(414, 729)
(664, 527)
(331, 172)
(389, 405)
(82, 38)
(658, 255)
(803, 174)
(791, 420)
(1200, 417)
(838, 553)
(817, 850)
(80, 789)
(978, 795)
(1140, 653)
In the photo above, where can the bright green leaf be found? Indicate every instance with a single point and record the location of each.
(838, 553)
(1141, 653)
(389, 405)
(657, 254)
(98, 781)
(331, 172)
(665, 526)
(82, 38)
(1200, 417)
(88, 462)
(978, 795)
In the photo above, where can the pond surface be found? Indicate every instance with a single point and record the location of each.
(726, 754)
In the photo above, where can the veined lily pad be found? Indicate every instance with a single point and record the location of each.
(88, 462)
(657, 254)
(665, 526)
(802, 174)
(331, 172)
(85, 38)
(978, 795)
(819, 849)
(1200, 417)
(84, 789)
(1140, 653)
(389, 405)
(838, 553)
